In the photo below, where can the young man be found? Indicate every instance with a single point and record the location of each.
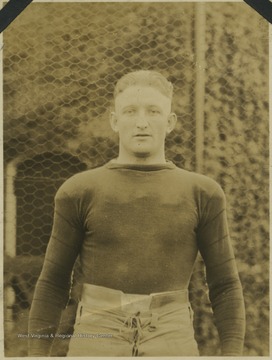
(137, 224)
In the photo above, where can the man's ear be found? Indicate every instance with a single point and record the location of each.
(171, 122)
(113, 121)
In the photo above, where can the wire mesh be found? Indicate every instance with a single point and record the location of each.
(61, 61)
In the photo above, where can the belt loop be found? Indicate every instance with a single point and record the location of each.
(79, 313)
(154, 322)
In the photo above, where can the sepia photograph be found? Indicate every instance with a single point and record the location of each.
(136, 180)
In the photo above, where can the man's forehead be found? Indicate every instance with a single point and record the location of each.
(140, 93)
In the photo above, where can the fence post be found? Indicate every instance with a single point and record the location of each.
(10, 238)
(199, 35)
(200, 25)
(10, 210)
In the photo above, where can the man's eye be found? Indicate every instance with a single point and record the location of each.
(129, 111)
(154, 111)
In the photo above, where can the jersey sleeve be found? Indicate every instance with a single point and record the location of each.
(53, 286)
(225, 290)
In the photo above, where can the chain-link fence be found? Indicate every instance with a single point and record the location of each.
(61, 62)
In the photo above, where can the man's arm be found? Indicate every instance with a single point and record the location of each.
(225, 290)
(53, 286)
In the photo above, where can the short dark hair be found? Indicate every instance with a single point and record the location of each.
(146, 78)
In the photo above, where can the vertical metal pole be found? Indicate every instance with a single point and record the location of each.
(10, 210)
(199, 29)
(10, 239)
(200, 24)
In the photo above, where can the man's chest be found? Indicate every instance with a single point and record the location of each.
(158, 217)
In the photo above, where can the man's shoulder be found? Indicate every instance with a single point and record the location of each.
(80, 182)
(195, 178)
(199, 182)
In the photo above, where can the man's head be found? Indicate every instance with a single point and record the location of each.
(145, 78)
(142, 116)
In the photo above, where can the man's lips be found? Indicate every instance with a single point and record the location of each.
(142, 135)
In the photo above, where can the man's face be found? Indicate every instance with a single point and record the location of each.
(142, 119)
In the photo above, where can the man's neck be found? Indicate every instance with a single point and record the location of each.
(138, 160)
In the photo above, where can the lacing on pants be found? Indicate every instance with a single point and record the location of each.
(134, 324)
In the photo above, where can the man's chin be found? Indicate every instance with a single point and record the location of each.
(142, 154)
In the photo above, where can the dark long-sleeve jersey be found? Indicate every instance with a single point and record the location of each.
(138, 228)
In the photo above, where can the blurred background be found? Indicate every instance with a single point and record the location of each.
(61, 62)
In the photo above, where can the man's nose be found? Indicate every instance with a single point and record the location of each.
(141, 121)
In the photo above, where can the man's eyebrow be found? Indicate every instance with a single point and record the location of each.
(129, 106)
(148, 105)
(154, 105)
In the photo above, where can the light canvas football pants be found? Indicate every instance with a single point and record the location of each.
(112, 323)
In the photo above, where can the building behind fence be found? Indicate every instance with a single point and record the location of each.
(61, 61)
